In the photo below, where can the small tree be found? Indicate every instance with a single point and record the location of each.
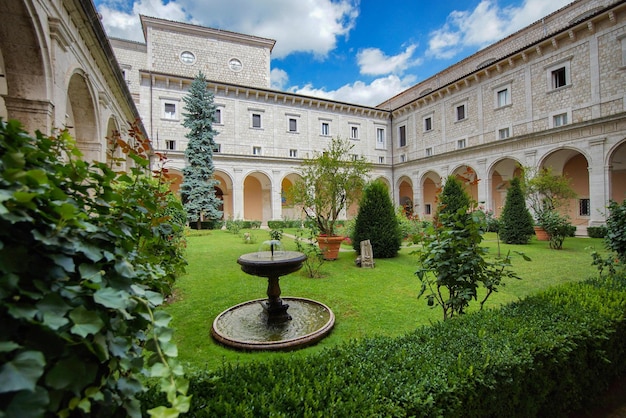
(546, 191)
(198, 187)
(452, 263)
(377, 222)
(330, 182)
(516, 226)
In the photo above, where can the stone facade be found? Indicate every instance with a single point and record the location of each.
(56, 71)
(551, 94)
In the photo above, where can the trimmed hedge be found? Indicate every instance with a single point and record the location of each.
(282, 224)
(542, 356)
(596, 231)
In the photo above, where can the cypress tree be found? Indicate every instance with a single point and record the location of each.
(198, 186)
(516, 226)
(452, 199)
(377, 222)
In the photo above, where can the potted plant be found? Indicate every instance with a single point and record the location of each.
(546, 193)
(329, 183)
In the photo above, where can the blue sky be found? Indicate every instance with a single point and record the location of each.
(348, 50)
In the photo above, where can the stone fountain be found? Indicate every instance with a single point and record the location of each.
(274, 323)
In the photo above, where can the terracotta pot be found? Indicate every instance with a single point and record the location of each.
(541, 234)
(330, 246)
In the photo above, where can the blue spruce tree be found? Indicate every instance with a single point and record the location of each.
(198, 187)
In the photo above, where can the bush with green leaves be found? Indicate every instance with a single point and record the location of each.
(596, 231)
(516, 222)
(615, 239)
(376, 221)
(80, 326)
(558, 228)
(452, 264)
(545, 355)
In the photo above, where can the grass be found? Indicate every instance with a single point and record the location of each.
(366, 302)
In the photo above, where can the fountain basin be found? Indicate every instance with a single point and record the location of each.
(266, 264)
(245, 326)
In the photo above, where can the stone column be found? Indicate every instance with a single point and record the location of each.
(598, 182)
(238, 194)
(277, 201)
(33, 114)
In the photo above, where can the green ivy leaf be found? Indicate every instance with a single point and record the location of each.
(53, 308)
(124, 268)
(65, 262)
(22, 372)
(85, 322)
(27, 404)
(8, 346)
(111, 298)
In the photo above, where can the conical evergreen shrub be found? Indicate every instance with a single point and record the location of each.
(516, 222)
(377, 222)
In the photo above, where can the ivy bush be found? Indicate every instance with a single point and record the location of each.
(542, 356)
(83, 253)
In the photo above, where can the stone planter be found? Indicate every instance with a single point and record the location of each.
(330, 246)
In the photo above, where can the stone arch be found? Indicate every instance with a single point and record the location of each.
(175, 178)
(385, 181)
(288, 209)
(617, 175)
(470, 179)
(575, 165)
(257, 197)
(500, 174)
(80, 115)
(431, 183)
(405, 194)
(224, 190)
(26, 66)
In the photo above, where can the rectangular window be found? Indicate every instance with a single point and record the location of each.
(354, 157)
(559, 78)
(427, 209)
(460, 112)
(428, 124)
(218, 116)
(504, 133)
(403, 158)
(429, 151)
(502, 97)
(325, 129)
(256, 120)
(584, 206)
(559, 120)
(256, 150)
(381, 160)
(170, 144)
(380, 138)
(461, 143)
(169, 111)
(217, 148)
(293, 125)
(402, 135)
(354, 132)
(293, 153)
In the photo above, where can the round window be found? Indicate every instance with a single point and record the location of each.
(235, 64)
(187, 57)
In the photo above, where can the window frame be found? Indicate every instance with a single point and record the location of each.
(293, 153)
(354, 132)
(218, 116)
(381, 139)
(257, 150)
(428, 151)
(500, 130)
(253, 117)
(169, 115)
(557, 116)
(402, 136)
(427, 123)
(170, 144)
(551, 77)
(325, 128)
(292, 129)
(461, 143)
(505, 88)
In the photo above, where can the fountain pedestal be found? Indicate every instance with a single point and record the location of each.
(274, 306)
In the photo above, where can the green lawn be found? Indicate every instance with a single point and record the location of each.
(366, 302)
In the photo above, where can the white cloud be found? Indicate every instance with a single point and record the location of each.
(486, 24)
(373, 61)
(312, 26)
(359, 92)
(278, 79)
(126, 25)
